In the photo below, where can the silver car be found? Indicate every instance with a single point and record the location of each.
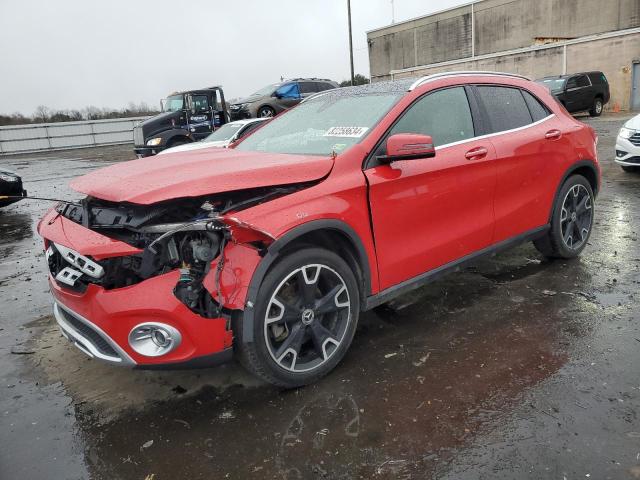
(222, 137)
(275, 98)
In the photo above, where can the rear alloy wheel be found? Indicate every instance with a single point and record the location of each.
(571, 222)
(306, 315)
(596, 109)
(266, 112)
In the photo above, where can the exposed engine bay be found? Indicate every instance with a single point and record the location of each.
(186, 234)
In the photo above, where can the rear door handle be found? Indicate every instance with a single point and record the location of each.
(553, 134)
(476, 153)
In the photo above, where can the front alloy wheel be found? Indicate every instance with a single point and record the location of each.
(266, 112)
(305, 318)
(575, 217)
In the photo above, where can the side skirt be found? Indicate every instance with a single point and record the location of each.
(416, 282)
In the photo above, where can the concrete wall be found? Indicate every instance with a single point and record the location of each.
(498, 25)
(64, 135)
(613, 56)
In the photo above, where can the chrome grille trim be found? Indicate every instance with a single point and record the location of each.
(85, 344)
(138, 136)
(82, 263)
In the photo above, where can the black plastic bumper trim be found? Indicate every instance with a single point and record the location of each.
(206, 361)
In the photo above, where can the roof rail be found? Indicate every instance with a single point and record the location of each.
(436, 76)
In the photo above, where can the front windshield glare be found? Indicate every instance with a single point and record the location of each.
(224, 133)
(320, 126)
(173, 103)
(268, 90)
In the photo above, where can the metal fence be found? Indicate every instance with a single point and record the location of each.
(63, 135)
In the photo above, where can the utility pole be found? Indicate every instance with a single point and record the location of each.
(393, 12)
(350, 41)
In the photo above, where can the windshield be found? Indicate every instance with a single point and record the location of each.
(320, 126)
(554, 84)
(173, 103)
(224, 133)
(268, 90)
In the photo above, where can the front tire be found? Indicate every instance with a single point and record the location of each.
(571, 222)
(266, 112)
(306, 315)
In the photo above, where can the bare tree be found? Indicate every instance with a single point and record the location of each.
(42, 114)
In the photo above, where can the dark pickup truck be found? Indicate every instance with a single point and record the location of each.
(580, 91)
(186, 117)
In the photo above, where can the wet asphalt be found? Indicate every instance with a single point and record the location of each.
(516, 368)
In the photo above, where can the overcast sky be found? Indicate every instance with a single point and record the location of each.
(74, 53)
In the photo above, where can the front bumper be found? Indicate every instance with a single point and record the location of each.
(88, 337)
(143, 151)
(242, 114)
(99, 321)
(13, 189)
(627, 153)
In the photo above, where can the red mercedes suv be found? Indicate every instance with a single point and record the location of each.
(270, 250)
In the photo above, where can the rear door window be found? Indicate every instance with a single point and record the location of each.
(307, 88)
(537, 109)
(248, 129)
(583, 81)
(572, 83)
(443, 114)
(505, 107)
(322, 86)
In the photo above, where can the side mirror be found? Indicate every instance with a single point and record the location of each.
(276, 94)
(408, 146)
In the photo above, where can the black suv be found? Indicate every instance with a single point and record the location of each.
(580, 91)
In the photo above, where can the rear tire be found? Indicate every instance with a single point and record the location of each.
(597, 108)
(571, 222)
(306, 314)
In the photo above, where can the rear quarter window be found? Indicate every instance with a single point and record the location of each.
(598, 78)
(505, 106)
(537, 109)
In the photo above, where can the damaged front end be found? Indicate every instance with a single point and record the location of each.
(185, 234)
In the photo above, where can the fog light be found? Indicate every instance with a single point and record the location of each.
(154, 339)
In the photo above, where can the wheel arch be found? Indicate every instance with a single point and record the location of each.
(334, 235)
(586, 168)
(178, 136)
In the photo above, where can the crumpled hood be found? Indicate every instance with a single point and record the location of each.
(200, 172)
(187, 147)
(634, 123)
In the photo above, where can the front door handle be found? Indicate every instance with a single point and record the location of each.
(553, 134)
(476, 153)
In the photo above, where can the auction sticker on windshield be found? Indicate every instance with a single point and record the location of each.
(351, 132)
